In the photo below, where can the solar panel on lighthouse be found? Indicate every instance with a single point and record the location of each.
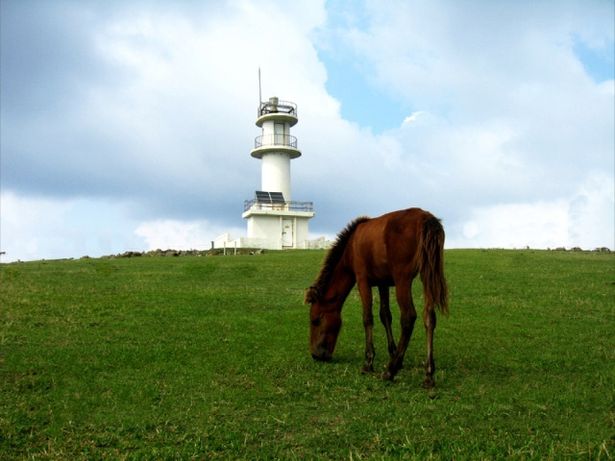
(277, 197)
(263, 197)
(269, 197)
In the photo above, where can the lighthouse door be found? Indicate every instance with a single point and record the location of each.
(287, 233)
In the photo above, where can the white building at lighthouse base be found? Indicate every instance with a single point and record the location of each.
(278, 225)
(274, 225)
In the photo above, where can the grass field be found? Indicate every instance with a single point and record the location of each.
(206, 357)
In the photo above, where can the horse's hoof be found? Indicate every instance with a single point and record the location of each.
(429, 383)
(388, 376)
(367, 369)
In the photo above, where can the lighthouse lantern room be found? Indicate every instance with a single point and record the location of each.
(274, 220)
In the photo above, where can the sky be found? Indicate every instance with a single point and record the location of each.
(128, 125)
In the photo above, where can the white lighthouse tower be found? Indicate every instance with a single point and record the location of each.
(275, 221)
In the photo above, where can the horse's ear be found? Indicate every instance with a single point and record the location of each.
(311, 295)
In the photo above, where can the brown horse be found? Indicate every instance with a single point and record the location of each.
(386, 251)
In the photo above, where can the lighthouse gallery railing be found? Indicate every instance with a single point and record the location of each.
(255, 205)
(274, 106)
(286, 140)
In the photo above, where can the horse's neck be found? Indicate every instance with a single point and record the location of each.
(341, 283)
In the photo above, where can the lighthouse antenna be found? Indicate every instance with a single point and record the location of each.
(260, 95)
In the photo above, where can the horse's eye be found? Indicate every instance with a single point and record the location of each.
(316, 321)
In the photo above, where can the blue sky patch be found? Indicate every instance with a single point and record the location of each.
(361, 101)
(599, 62)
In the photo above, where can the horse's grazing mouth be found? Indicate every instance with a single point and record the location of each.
(321, 354)
(322, 358)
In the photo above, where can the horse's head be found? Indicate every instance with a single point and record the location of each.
(325, 324)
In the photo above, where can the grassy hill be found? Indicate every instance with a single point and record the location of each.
(206, 357)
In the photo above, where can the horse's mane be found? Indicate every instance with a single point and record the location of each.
(315, 292)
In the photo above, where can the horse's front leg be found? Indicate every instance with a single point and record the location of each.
(429, 318)
(365, 291)
(408, 317)
(386, 318)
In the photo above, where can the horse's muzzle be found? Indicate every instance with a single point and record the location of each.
(321, 358)
(321, 354)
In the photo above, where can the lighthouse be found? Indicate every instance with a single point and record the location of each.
(274, 220)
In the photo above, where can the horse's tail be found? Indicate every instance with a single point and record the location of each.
(431, 267)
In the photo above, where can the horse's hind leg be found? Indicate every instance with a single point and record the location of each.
(386, 318)
(408, 317)
(365, 291)
(429, 318)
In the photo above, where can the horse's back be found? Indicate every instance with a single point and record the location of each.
(387, 245)
(402, 236)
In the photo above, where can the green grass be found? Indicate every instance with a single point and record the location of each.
(206, 357)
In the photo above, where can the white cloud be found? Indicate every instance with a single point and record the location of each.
(47, 228)
(583, 220)
(176, 118)
(181, 235)
(413, 117)
(513, 121)
(592, 213)
(537, 225)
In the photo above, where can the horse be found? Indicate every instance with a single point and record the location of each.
(390, 250)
